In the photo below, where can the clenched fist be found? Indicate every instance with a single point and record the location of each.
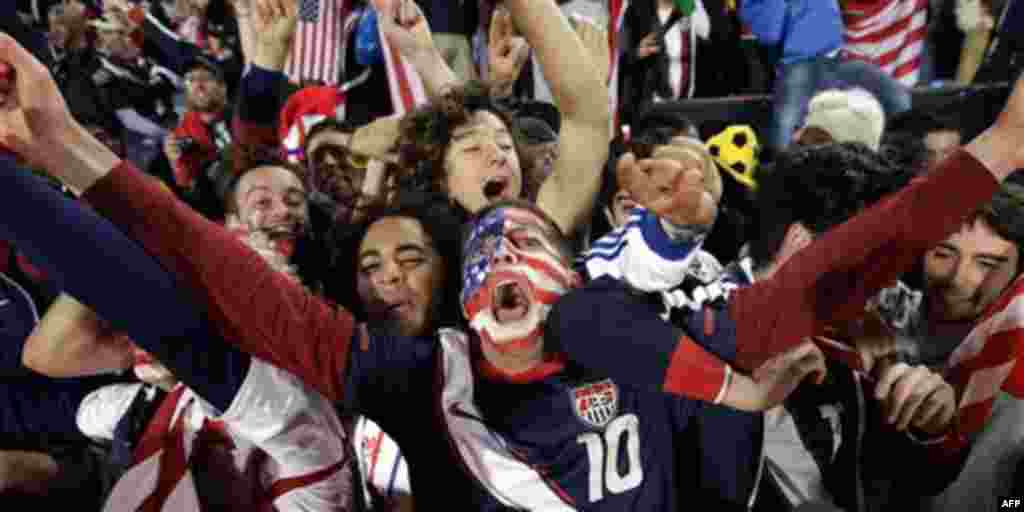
(679, 183)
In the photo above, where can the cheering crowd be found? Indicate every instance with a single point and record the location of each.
(266, 255)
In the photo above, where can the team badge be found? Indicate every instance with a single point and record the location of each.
(596, 403)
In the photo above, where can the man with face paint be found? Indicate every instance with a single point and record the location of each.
(584, 448)
(512, 275)
(523, 269)
(268, 208)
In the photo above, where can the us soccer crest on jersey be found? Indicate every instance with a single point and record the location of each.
(596, 403)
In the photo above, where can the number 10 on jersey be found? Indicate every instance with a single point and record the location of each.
(603, 452)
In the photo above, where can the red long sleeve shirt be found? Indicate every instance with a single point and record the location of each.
(273, 318)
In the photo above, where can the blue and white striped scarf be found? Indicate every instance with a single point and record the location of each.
(642, 254)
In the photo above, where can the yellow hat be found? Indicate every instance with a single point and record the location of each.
(736, 150)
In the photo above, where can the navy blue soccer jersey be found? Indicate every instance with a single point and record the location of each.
(572, 440)
(404, 388)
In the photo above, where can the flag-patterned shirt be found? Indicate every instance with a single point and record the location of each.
(397, 381)
(316, 49)
(889, 34)
(978, 365)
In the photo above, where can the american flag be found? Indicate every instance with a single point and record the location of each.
(317, 50)
(159, 478)
(888, 33)
(984, 361)
(482, 243)
(404, 84)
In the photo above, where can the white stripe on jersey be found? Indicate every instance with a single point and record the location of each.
(140, 481)
(627, 256)
(381, 462)
(298, 429)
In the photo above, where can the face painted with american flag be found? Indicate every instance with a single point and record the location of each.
(512, 275)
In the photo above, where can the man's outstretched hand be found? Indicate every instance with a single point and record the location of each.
(678, 183)
(776, 379)
(32, 109)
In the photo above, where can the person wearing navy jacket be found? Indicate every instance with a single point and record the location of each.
(831, 443)
(594, 327)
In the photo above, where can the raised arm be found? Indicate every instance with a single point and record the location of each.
(262, 91)
(581, 94)
(406, 28)
(265, 313)
(175, 53)
(832, 279)
(609, 328)
(576, 83)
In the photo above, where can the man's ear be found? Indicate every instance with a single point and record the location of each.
(797, 237)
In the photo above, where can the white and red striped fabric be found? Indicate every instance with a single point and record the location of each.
(889, 34)
(485, 454)
(160, 479)
(616, 15)
(317, 49)
(289, 448)
(985, 361)
(404, 83)
(385, 472)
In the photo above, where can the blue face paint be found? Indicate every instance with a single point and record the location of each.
(483, 243)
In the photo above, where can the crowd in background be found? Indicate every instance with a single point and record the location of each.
(311, 255)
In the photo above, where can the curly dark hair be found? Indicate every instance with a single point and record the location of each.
(1005, 213)
(906, 150)
(426, 133)
(442, 225)
(820, 187)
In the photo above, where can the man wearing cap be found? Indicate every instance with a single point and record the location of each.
(843, 116)
(204, 131)
(806, 39)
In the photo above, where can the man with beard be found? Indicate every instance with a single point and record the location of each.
(969, 285)
(268, 207)
(392, 379)
(831, 443)
(344, 182)
(204, 131)
(519, 405)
